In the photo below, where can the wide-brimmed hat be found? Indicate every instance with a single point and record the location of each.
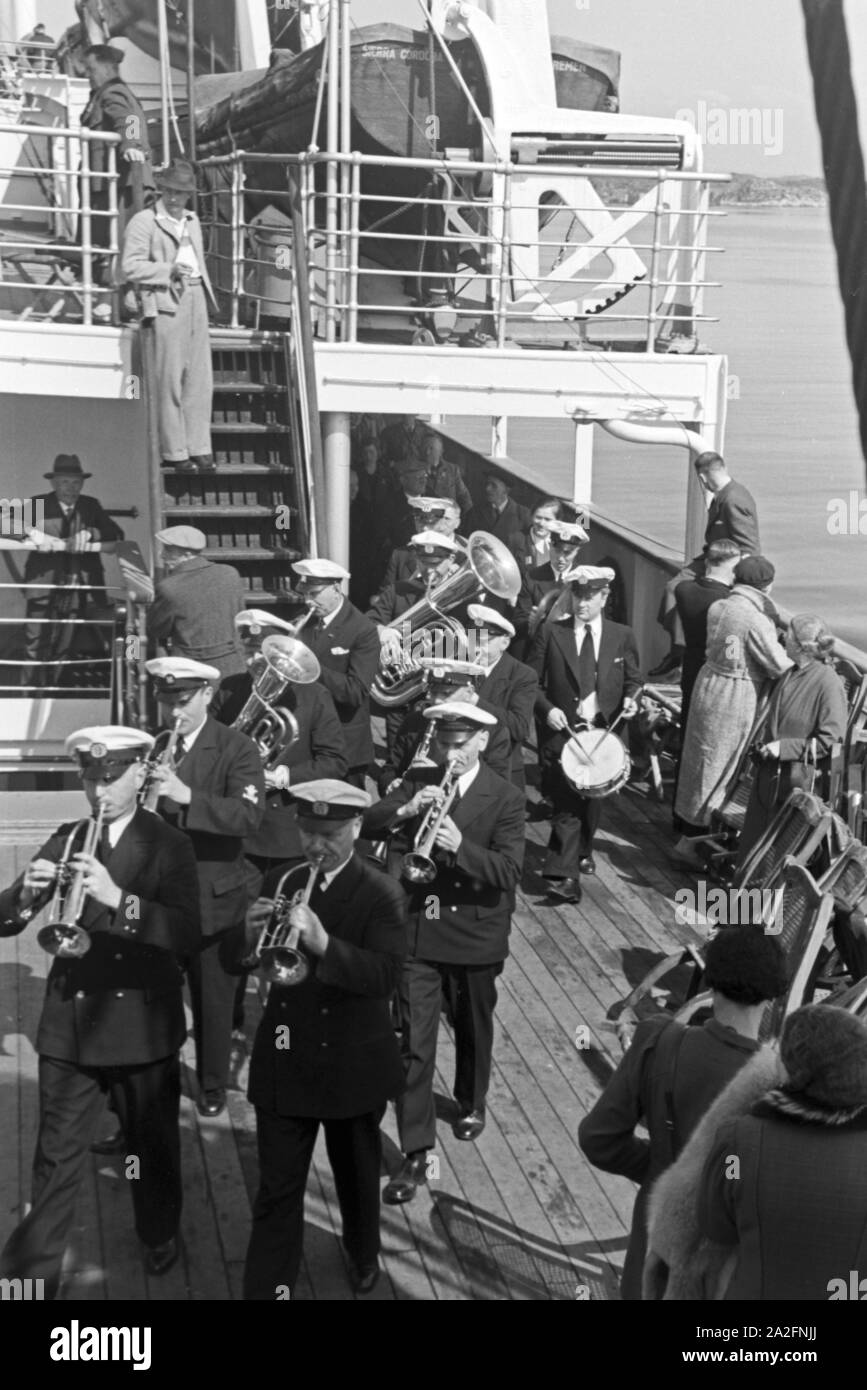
(180, 175)
(67, 466)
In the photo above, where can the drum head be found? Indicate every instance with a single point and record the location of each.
(595, 763)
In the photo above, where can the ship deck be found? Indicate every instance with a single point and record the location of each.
(518, 1215)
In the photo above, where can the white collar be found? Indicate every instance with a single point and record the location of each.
(328, 879)
(116, 827)
(189, 739)
(326, 622)
(466, 779)
(595, 626)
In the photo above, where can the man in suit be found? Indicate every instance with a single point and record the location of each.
(194, 607)
(508, 685)
(113, 1018)
(459, 924)
(164, 259)
(113, 108)
(444, 478)
(498, 514)
(588, 673)
(428, 514)
(565, 539)
(71, 532)
(325, 1052)
(213, 790)
(346, 645)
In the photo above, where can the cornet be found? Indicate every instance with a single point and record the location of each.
(62, 936)
(418, 866)
(148, 797)
(277, 952)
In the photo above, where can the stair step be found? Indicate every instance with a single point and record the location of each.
(242, 509)
(247, 388)
(217, 428)
(247, 469)
(242, 554)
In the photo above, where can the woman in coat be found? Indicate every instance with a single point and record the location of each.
(793, 1212)
(743, 654)
(808, 703)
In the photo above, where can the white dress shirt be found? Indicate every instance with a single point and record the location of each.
(589, 706)
(116, 828)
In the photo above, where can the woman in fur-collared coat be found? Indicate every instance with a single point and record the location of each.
(769, 1199)
(743, 654)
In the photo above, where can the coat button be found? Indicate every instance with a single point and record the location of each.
(454, 909)
(119, 994)
(323, 1011)
(325, 1044)
(118, 957)
(79, 994)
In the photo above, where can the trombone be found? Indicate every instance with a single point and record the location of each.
(63, 935)
(418, 865)
(278, 954)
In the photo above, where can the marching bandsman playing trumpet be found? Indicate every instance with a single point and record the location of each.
(588, 674)
(113, 1018)
(346, 646)
(507, 685)
(325, 1052)
(459, 922)
(214, 791)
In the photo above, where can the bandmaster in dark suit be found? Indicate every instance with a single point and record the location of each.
(213, 789)
(509, 686)
(591, 684)
(113, 1018)
(346, 645)
(194, 607)
(459, 924)
(325, 1052)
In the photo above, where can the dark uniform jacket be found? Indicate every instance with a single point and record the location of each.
(521, 545)
(342, 1058)
(113, 108)
(121, 1003)
(348, 652)
(512, 689)
(319, 751)
(60, 567)
(554, 658)
(693, 598)
(473, 891)
(193, 614)
(224, 770)
(732, 516)
(692, 1066)
(393, 600)
(535, 584)
(497, 756)
(502, 524)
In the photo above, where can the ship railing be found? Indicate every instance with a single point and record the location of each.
(20, 60)
(78, 642)
(501, 263)
(58, 224)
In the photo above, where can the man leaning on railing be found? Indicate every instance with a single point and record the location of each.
(113, 107)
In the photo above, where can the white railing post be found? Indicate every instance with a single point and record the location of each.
(86, 235)
(653, 286)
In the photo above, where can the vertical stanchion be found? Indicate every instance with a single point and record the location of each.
(86, 235)
(653, 285)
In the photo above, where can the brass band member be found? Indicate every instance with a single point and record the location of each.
(347, 648)
(439, 514)
(459, 948)
(565, 539)
(508, 685)
(589, 674)
(113, 1018)
(213, 789)
(325, 1052)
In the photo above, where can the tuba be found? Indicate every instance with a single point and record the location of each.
(282, 660)
(418, 866)
(62, 935)
(277, 952)
(489, 566)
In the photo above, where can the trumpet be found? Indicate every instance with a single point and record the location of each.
(277, 952)
(62, 935)
(418, 865)
(151, 792)
(419, 759)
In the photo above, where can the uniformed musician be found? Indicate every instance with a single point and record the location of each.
(346, 645)
(508, 685)
(458, 930)
(325, 1052)
(213, 789)
(440, 514)
(565, 540)
(589, 675)
(113, 1018)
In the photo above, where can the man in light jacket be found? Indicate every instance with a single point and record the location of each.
(164, 258)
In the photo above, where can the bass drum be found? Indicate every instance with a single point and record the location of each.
(595, 763)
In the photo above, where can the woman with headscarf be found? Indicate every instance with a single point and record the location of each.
(807, 706)
(743, 655)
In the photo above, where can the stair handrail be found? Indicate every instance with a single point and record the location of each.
(310, 438)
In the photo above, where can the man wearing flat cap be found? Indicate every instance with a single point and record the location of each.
(114, 109)
(164, 259)
(212, 788)
(73, 530)
(194, 607)
(325, 1053)
(113, 1017)
(589, 676)
(346, 645)
(458, 949)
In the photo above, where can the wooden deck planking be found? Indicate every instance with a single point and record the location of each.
(518, 1215)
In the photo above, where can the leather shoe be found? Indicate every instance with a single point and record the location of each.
(587, 865)
(160, 1258)
(111, 1144)
(568, 890)
(204, 462)
(211, 1103)
(362, 1278)
(184, 466)
(410, 1176)
(469, 1125)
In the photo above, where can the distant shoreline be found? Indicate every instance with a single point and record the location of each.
(743, 191)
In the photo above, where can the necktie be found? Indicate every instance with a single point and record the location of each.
(587, 664)
(180, 749)
(66, 525)
(104, 847)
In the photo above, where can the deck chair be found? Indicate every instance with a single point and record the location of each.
(625, 1023)
(796, 832)
(851, 997)
(802, 922)
(854, 772)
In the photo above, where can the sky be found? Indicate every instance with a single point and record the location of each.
(705, 57)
